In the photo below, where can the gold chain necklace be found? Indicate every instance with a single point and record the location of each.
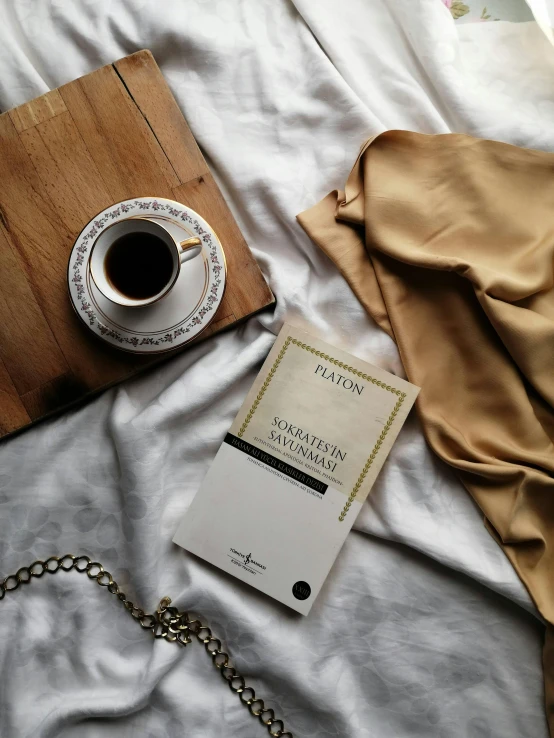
(167, 622)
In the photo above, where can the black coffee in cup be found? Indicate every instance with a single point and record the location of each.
(139, 265)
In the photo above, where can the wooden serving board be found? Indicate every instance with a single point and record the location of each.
(114, 134)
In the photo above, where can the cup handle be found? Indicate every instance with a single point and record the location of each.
(189, 248)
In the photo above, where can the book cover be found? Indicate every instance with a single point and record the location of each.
(295, 467)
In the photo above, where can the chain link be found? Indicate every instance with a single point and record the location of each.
(167, 622)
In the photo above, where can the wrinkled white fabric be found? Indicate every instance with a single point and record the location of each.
(543, 10)
(423, 628)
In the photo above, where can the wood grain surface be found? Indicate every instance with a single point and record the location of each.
(114, 134)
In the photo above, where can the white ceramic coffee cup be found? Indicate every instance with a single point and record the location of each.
(181, 252)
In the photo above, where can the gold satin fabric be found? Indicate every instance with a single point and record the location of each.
(448, 242)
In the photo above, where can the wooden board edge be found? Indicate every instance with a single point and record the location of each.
(82, 401)
(139, 73)
(12, 406)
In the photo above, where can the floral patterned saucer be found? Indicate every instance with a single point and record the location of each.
(176, 319)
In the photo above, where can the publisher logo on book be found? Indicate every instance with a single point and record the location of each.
(246, 561)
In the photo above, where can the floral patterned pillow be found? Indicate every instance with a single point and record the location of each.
(472, 11)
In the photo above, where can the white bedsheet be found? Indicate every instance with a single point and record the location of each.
(422, 628)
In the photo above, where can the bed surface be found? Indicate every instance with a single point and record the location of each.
(422, 628)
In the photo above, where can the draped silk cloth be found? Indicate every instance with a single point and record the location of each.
(448, 242)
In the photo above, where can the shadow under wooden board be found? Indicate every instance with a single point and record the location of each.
(114, 134)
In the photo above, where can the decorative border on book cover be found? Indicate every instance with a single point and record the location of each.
(401, 397)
